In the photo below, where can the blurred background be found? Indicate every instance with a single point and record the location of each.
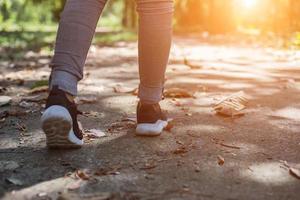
(232, 88)
(31, 24)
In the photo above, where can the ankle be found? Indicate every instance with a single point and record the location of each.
(70, 97)
(146, 102)
(58, 92)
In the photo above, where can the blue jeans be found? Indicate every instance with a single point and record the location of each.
(77, 28)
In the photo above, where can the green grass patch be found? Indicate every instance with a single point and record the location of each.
(111, 38)
(18, 42)
(39, 84)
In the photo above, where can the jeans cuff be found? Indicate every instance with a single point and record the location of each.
(150, 94)
(65, 81)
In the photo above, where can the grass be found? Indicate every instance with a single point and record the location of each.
(39, 84)
(16, 43)
(111, 38)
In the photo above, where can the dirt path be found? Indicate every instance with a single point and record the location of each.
(183, 162)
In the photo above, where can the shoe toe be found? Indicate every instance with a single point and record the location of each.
(151, 129)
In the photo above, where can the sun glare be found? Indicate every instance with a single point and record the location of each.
(249, 3)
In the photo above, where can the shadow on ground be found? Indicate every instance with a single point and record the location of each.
(182, 163)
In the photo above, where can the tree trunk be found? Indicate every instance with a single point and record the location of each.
(129, 19)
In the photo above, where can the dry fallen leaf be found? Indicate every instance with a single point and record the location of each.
(232, 105)
(25, 104)
(177, 93)
(12, 112)
(180, 150)
(291, 83)
(43, 195)
(121, 125)
(108, 171)
(4, 100)
(129, 119)
(39, 90)
(170, 125)
(221, 160)
(21, 127)
(179, 142)
(191, 65)
(135, 92)
(94, 133)
(93, 114)
(294, 172)
(85, 100)
(148, 165)
(230, 146)
(14, 181)
(119, 88)
(197, 169)
(81, 174)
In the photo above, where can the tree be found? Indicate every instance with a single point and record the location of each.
(129, 18)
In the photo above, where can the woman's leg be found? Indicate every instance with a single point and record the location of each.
(76, 30)
(155, 32)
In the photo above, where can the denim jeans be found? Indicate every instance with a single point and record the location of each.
(77, 28)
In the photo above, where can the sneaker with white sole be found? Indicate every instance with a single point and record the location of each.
(59, 121)
(151, 121)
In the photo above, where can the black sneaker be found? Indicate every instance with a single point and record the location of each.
(151, 121)
(59, 121)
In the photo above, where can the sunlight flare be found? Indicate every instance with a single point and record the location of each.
(249, 3)
(267, 173)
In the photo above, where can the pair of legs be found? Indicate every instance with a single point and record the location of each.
(76, 30)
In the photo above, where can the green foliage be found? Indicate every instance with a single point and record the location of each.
(209, 15)
(17, 42)
(44, 14)
(112, 15)
(39, 84)
(111, 38)
(20, 14)
(33, 23)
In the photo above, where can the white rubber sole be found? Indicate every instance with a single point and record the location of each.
(149, 129)
(57, 125)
